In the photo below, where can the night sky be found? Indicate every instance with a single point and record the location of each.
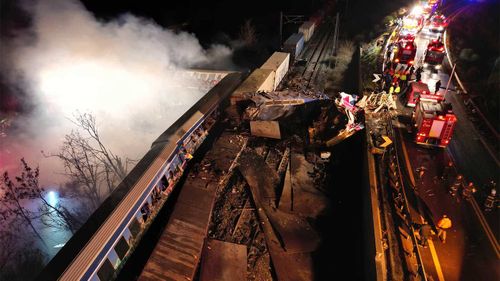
(206, 19)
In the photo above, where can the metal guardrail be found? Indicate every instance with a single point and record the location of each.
(397, 183)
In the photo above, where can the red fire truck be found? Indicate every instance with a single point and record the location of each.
(417, 91)
(434, 54)
(434, 123)
(404, 52)
(438, 23)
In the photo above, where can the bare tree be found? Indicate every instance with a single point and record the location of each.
(26, 186)
(12, 210)
(88, 163)
(247, 33)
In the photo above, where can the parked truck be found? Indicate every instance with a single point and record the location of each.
(434, 123)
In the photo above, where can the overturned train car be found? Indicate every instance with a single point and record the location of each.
(100, 248)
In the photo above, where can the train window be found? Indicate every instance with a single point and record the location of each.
(155, 195)
(94, 278)
(163, 183)
(170, 177)
(106, 270)
(134, 227)
(121, 248)
(145, 210)
(113, 258)
(127, 234)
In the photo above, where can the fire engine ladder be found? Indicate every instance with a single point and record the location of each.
(447, 130)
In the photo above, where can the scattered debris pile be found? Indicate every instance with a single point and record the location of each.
(279, 104)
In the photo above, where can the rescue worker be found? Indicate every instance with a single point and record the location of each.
(412, 69)
(403, 79)
(397, 90)
(418, 73)
(396, 77)
(443, 225)
(456, 185)
(447, 172)
(391, 89)
(425, 233)
(421, 171)
(468, 190)
(438, 85)
(490, 201)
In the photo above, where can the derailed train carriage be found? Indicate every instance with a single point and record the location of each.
(98, 250)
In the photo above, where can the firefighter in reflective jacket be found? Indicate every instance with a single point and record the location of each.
(456, 185)
(468, 190)
(490, 201)
(443, 225)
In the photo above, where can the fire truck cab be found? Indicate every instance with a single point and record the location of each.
(434, 123)
(434, 54)
(405, 52)
(420, 91)
(438, 23)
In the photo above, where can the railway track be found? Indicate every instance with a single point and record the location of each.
(235, 217)
(318, 50)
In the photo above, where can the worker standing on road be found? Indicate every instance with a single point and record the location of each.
(412, 69)
(490, 201)
(403, 79)
(418, 73)
(454, 188)
(443, 225)
(468, 191)
(395, 77)
(425, 232)
(397, 90)
(447, 172)
(438, 85)
(391, 89)
(448, 169)
(421, 171)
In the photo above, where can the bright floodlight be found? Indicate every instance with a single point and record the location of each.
(52, 198)
(417, 10)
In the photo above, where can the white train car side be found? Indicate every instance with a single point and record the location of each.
(98, 250)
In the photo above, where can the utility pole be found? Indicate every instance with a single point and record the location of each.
(336, 35)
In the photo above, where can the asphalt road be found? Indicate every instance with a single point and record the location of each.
(471, 250)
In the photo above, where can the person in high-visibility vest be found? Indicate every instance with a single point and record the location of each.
(397, 90)
(490, 201)
(443, 225)
(391, 89)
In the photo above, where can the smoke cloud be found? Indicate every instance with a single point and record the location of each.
(123, 71)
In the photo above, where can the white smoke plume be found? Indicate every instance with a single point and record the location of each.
(121, 71)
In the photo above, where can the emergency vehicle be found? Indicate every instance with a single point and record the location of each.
(438, 23)
(434, 54)
(413, 22)
(404, 52)
(417, 91)
(406, 37)
(434, 123)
